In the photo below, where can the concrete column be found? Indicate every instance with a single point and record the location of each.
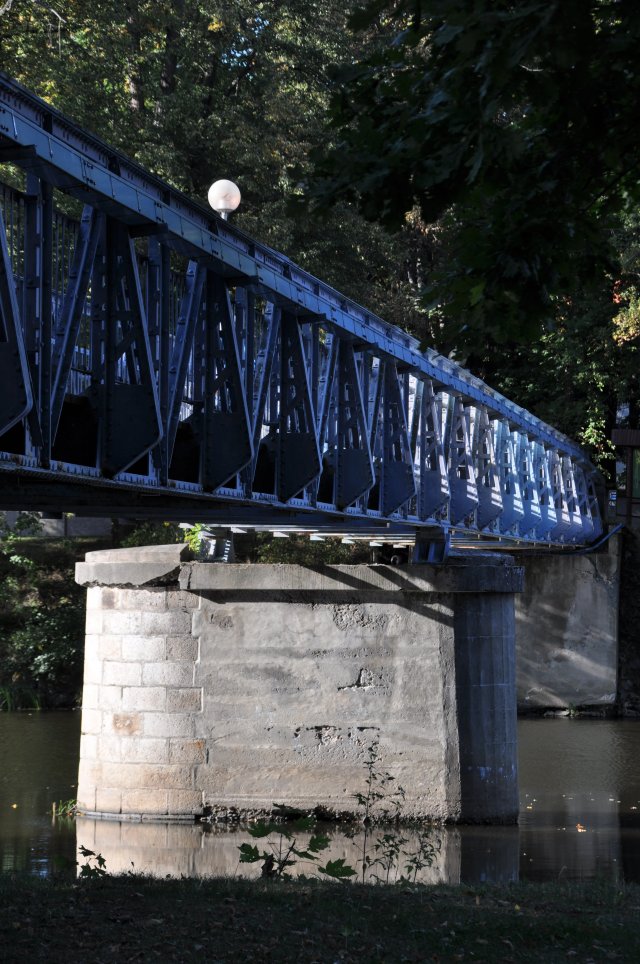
(138, 748)
(484, 629)
(229, 688)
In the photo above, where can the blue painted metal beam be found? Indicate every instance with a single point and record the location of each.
(237, 383)
(81, 165)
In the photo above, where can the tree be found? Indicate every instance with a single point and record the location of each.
(200, 89)
(581, 375)
(512, 123)
(457, 135)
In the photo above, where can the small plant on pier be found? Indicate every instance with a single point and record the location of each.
(284, 851)
(65, 809)
(382, 802)
(385, 858)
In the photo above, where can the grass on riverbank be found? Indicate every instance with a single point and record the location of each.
(224, 920)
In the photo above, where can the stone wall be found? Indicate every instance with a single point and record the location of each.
(567, 630)
(140, 703)
(231, 688)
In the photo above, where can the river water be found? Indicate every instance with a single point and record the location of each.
(579, 812)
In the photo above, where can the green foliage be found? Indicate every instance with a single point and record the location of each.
(46, 652)
(26, 524)
(153, 534)
(193, 536)
(338, 869)
(512, 124)
(13, 696)
(200, 89)
(65, 808)
(42, 614)
(381, 855)
(572, 377)
(382, 802)
(94, 867)
(284, 851)
(300, 550)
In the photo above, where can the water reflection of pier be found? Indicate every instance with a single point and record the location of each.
(571, 772)
(570, 826)
(192, 850)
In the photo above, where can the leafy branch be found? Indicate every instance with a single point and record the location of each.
(284, 851)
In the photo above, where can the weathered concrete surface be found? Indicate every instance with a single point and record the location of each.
(484, 572)
(264, 684)
(142, 566)
(567, 630)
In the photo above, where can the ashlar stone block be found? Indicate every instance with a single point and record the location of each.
(152, 801)
(239, 686)
(117, 673)
(167, 674)
(108, 800)
(143, 648)
(144, 698)
(184, 700)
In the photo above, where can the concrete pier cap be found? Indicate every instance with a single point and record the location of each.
(223, 689)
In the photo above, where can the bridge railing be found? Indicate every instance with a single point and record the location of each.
(146, 346)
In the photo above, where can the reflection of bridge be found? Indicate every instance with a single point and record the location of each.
(157, 360)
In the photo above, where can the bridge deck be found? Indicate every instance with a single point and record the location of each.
(156, 361)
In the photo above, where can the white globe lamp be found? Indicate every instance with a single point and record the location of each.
(224, 197)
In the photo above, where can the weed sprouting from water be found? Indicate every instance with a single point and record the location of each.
(384, 858)
(95, 866)
(284, 851)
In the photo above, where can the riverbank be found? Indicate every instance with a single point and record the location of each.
(133, 918)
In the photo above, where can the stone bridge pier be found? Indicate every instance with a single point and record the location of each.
(227, 688)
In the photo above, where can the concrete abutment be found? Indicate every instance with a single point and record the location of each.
(228, 688)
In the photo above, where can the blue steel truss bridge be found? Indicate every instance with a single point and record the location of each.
(157, 362)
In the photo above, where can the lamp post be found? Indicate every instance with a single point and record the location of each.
(224, 197)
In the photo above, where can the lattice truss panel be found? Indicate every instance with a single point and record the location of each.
(131, 357)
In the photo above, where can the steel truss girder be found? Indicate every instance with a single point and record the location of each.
(225, 433)
(426, 432)
(398, 484)
(37, 309)
(299, 461)
(546, 501)
(81, 164)
(182, 348)
(532, 515)
(277, 377)
(462, 476)
(584, 504)
(70, 317)
(124, 385)
(512, 507)
(561, 499)
(490, 501)
(279, 367)
(354, 463)
(16, 399)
